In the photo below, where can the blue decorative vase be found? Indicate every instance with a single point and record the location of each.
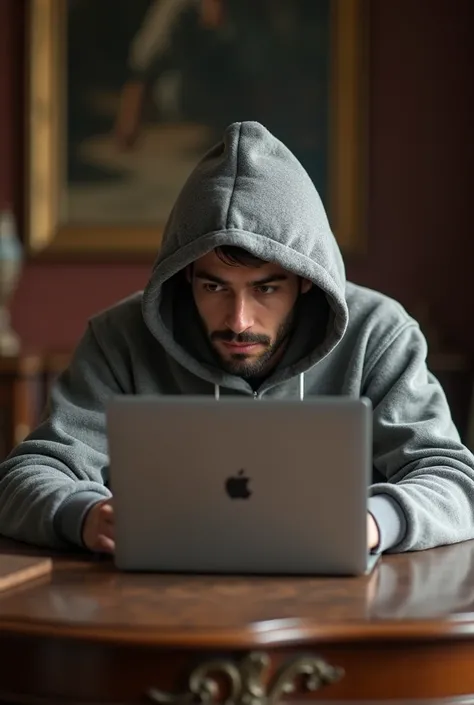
(11, 259)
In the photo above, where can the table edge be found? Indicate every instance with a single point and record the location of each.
(250, 636)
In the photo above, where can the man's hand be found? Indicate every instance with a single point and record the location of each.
(98, 529)
(373, 535)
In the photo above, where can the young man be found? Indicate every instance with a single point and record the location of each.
(248, 297)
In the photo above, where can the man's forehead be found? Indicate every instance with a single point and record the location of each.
(212, 263)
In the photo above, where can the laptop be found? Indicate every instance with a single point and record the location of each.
(241, 486)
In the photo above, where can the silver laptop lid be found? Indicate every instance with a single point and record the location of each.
(239, 485)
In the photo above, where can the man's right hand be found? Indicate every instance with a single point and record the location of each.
(98, 529)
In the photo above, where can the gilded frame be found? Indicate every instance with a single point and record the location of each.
(46, 235)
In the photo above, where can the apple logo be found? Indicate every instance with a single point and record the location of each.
(237, 486)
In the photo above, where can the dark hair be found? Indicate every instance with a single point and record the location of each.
(235, 256)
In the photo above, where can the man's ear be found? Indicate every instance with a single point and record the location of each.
(306, 285)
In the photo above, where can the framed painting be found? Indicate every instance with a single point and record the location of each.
(125, 97)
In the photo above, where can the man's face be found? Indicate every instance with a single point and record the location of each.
(247, 311)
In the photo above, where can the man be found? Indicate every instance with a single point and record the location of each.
(248, 297)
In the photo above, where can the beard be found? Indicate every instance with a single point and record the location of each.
(246, 364)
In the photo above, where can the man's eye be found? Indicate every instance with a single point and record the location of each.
(213, 288)
(266, 289)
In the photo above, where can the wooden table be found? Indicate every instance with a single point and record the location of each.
(89, 634)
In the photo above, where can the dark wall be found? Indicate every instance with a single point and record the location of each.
(421, 228)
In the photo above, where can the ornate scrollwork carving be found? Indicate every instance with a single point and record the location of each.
(244, 683)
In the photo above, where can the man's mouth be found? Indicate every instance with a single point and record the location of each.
(240, 347)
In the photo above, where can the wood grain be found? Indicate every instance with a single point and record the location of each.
(16, 570)
(405, 632)
(410, 596)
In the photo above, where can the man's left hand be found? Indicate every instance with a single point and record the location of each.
(373, 535)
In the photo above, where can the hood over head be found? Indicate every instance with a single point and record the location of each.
(250, 191)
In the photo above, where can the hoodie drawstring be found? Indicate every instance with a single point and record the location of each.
(217, 391)
(302, 386)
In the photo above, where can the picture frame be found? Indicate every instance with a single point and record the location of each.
(51, 228)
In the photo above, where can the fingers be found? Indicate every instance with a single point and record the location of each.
(106, 522)
(106, 528)
(107, 506)
(106, 513)
(105, 531)
(105, 544)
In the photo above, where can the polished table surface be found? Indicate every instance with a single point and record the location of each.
(88, 633)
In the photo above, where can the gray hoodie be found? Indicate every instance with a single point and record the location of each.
(250, 191)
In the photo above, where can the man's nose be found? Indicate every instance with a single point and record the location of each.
(240, 315)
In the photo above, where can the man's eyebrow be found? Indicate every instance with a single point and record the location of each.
(207, 276)
(202, 274)
(269, 280)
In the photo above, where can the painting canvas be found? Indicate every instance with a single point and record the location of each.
(126, 97)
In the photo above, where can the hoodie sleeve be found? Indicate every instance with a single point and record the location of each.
(52, 478)
(427, 498)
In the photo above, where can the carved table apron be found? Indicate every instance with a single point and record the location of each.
(90, 634)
